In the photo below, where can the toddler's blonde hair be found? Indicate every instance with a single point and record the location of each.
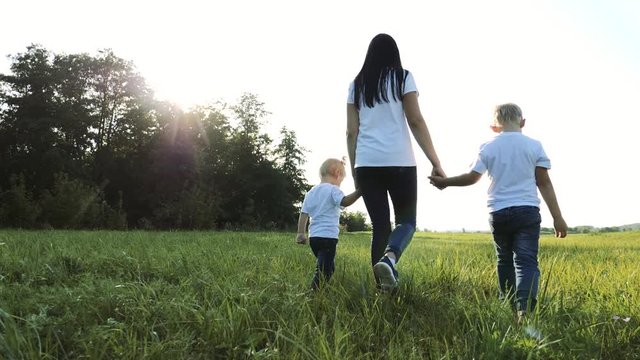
(333, 167)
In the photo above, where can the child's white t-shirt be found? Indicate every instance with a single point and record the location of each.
(322, 203)
(383, 137)
(511, 159)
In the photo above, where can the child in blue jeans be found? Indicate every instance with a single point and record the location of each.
(518, 167)
(322, 204)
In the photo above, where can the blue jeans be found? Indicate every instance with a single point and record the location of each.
(377, 185)
(324, 250)
(516, 235)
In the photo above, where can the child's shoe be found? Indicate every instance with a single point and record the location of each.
(386, 274)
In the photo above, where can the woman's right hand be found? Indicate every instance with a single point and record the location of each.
(437, 171)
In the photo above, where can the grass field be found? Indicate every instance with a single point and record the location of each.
(232, 295)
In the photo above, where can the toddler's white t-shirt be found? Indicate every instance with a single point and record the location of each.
(322, 203)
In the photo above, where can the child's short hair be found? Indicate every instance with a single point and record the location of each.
(333, 167)
(508, 113)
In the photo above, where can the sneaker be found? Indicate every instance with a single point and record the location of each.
(386, 274)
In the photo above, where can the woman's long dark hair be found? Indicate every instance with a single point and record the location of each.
(382, 60)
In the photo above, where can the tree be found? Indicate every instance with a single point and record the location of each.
(28, 127)
(172, 173)
(71, 108)
(246, 164)
(290, 160)
(91, 145)
(121, 103)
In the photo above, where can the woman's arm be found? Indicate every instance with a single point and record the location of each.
(420, 131)
(353, 127)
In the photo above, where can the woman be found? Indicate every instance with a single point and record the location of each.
(382, 101)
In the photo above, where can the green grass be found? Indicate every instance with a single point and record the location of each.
(232, 295)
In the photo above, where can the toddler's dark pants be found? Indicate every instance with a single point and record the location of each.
(324, 250)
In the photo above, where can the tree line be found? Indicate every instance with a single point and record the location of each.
(84, 144)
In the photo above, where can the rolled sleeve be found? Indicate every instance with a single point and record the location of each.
(543, 160)
(479, 166)
(351, 95)
(337, 195)
(410, 84)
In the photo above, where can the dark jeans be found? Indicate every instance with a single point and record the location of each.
(325, 251)
(377, 185)
(516, 235)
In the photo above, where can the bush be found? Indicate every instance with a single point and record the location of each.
(17, 207)
(115, 219)
(192, 209)
(354, 221)
(72, 205)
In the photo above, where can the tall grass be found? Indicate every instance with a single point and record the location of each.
(232, 295)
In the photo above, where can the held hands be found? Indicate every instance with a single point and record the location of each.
(438, 177)
(438, 181)
(301, 239)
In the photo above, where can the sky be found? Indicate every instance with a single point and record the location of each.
(573, 66)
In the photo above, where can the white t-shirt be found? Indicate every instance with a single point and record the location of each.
(322, 203)
(383, 138)
(511, 159)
